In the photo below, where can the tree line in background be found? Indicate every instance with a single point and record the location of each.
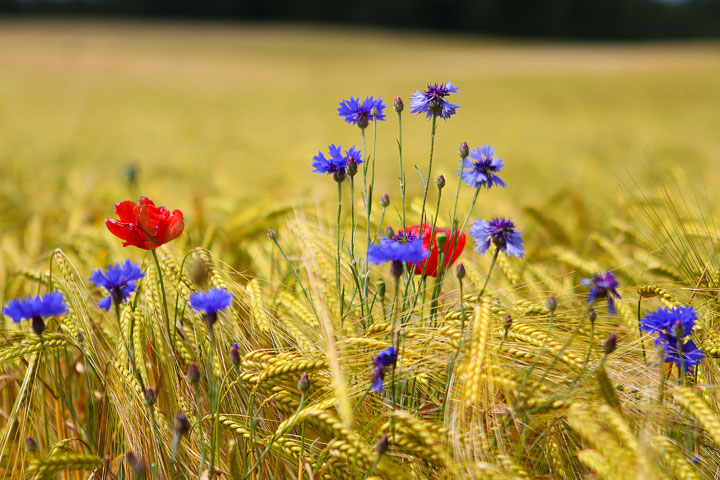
(582, 19)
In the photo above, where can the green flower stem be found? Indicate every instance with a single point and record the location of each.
(433, 125)
(164, 298)
(402, 175)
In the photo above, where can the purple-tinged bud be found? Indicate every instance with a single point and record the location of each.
(551, 304)
(271, 234)
(380, 288)
(396, 268)
(339, 175)
(31, 445)
(80, 338)
(193, 374)
(182, 424)
(507, 323)
(440, 182)
(150, 396)
(382, 445)
(398, 105)
(362, 122)
(464, 150)
(610, 344)
(678, 330)
(235, 355)
(304, 383)
(592, 315)
(373, 112)
(460, 271)
(384, 200)
(389, 232)
(137, 465)
(352, 167)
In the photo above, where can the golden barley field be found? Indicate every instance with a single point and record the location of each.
(234, 352)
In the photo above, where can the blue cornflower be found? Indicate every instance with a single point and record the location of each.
(211, 302)
(403, 247)
(118, 280)
(360, 113)
(672, 326)
(501, 232)
(338, 163)
(480, 168)
(35, 308)
(383, 360)
(432, 101)
(603, 285)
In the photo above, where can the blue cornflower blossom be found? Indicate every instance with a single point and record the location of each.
(211, 302)
(501, 232)
(360, 113)
(383, 360)
(672, 326)
(480, 168)
(403, 247)
(603, 285)
(118, 280)
(432, 101)
(35, 308)
(338, 163)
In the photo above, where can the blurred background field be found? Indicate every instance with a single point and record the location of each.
(220, 116)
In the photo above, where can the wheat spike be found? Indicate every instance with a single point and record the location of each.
(480, 329)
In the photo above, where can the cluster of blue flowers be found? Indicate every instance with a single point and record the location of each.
(673, 327)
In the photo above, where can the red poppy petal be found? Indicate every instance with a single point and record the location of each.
(123, 231)
(149, 218)
(146, 201)
(126, 211)
(176, 225)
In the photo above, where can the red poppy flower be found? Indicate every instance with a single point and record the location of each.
(454, 246)
(144, 225)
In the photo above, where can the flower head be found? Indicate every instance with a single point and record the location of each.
(337, 163)
(144, 225)
(663, 320)
(360, 113)
(118, 280)
(672, 326)
(501, 232)
(481, 168)
(36, 308)
(403, 247)
(432, 101)
(682, 354)
(383, 360)
(453, 246)
(603, 285)
(211, 302)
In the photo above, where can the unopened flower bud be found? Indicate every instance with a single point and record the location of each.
(380, 288)
(31, 445)
(398, 104)
(193, 374)
(182, 424)
(678, 330)
(440, 182)
(137, 465)
(507, 322)
(551, 304)
(304, 383)
(460, 271)
(352, 167)
(464, 150)
(396, 268)
(441, 239)
(610, 344)
(150, 396)
(384, 200)
(235, 355)
(382, 445)
(592, 315)
(389, 232)
(373, 111)
(271, 234)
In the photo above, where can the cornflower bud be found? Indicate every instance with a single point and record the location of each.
(610, 344)
(464, 150)
(271, 234)
(382, 445)
(440, 182)
(193, 374)
(373, 111)
(398, 104)
(182, 424)
(235, 355)
(507, 323)
(380, 287)
(460, 271)
(551, 304)
(384, 200)
(678, 330)
(137, 465)
(31, 445)
(304, 383)
(352, 167)
(592, 315)
(150, 396)
(389, 232)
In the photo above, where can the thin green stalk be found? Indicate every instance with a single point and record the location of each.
(339, 251)
(492, 264)
(640, 333)
(214, 399)
(433, 124)
(402, 175)
(451, 369)
(372, 469)
(352, 218)
(164, 297)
